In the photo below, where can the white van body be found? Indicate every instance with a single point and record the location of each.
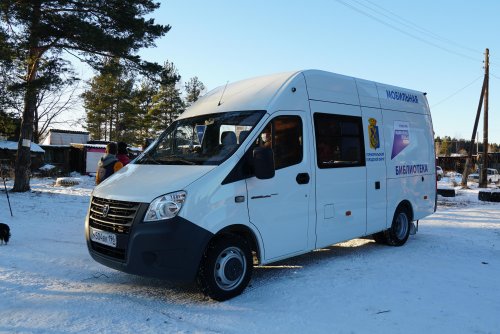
(379, 178)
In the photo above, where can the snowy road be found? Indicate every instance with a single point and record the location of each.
(444, 280)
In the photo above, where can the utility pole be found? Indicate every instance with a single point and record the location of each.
(483, 182)
(468, 161)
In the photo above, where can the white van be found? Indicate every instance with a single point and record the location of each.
(265, 169)
(493, 176)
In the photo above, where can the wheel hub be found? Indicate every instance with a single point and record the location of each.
(233, 269)
(230, 268)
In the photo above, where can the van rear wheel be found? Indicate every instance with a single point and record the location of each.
(226, 267)
(400, 228)
(380, 238)
(399, 231)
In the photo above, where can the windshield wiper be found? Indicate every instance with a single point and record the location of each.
(172, 158)
(148, 159)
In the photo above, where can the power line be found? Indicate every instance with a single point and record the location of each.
(405, 32)
(458, 91)
(416, 27)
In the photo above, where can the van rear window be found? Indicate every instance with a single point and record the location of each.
(339, 141)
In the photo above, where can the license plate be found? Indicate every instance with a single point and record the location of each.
(102, 237)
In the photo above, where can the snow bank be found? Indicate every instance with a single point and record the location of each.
(444, 280)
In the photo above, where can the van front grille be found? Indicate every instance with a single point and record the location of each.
(116, 217)
(111, 215)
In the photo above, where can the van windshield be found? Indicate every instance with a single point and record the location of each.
(202, 140)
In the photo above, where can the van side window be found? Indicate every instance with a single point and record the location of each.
(339, 141)
(284, 135)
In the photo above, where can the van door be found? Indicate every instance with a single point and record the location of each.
(280, 207)
(340, 173)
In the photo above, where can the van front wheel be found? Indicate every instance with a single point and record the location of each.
(226, 267)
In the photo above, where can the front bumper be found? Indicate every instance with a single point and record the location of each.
(169, 249)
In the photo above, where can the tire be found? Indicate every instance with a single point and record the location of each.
(226, 267)
(380, 238)
(399, 231)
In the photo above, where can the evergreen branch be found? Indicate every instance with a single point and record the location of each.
(46, 47)
(13, 33)
(81, 48)
(74, 55)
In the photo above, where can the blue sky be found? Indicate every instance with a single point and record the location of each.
(432, 46)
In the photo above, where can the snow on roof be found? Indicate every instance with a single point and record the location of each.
(12, 146)
(65, 137)
(68, 131)
(78, 145)
(54, 146)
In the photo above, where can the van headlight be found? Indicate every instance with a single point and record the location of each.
(165, 207)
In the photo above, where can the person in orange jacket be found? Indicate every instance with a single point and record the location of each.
(108, 164)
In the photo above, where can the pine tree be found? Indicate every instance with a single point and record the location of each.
(9, 125)
(6, 72)
(167, 103)
(38, 32)
(143, 102)
(194, 88)
(107, 103)
(445, 146)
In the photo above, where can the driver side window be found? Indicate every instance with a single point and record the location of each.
(285, 136)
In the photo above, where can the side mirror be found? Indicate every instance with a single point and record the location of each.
(263, 163)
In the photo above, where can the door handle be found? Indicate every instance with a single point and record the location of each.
(302, 178)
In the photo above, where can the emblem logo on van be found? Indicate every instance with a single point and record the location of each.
(373, 133)
(105, 210)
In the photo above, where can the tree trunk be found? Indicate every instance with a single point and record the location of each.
(36, 133)
(23, 158)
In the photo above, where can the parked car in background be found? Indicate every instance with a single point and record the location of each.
(439, 173)
(493, 176)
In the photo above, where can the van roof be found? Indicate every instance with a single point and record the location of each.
(249, 94)
(265, 93)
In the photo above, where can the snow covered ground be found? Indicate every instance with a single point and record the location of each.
(446, 279)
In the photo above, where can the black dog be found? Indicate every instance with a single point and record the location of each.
(4, 233)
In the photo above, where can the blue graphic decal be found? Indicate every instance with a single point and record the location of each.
(401, 137)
